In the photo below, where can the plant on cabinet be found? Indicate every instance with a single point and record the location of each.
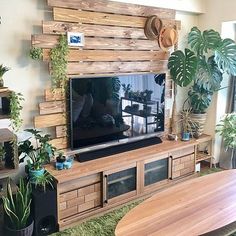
(202, 66)
(39, 154)
(3, 70)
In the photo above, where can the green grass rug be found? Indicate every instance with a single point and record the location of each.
(106, 224)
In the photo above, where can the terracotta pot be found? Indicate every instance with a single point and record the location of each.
(200, 119)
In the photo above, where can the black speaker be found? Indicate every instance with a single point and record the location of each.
(44, 212)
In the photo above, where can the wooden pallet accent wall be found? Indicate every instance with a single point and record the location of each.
(115, 43)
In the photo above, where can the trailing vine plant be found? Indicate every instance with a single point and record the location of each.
(15, 108)
(58, 58)
(36, 53)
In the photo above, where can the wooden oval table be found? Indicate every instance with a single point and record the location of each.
(194, 207)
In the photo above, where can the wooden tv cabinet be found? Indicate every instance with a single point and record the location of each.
(97, 186)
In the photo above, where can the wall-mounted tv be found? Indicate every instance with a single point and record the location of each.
(114, 108)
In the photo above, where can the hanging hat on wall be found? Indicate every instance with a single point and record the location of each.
(168, 37)
(153, 27)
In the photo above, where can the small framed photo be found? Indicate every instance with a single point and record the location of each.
(75, 39)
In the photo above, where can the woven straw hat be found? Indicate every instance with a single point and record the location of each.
(153, 27)
(168, 38)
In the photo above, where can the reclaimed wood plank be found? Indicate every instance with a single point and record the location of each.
(113, 7)
(50, 41)
(116, 67)
(110, 55)
(53, 95)
(59, 27)
(61, 131)
(59, 143)
(71, 15)
(51, 107)
(44, 121)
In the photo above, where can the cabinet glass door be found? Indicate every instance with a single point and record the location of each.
(155, 171)
(121, 182)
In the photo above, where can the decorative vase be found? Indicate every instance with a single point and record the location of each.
(27, 231)
(200, 119)
(185, 136)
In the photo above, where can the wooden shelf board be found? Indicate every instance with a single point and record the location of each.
(202, 156)
(6, 135)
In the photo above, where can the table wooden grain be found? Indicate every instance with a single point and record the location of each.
(190, 208)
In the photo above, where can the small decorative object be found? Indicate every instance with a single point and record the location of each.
(168, 38)
(153, 27)
(60, 158)
(172, 137)
(75, 39)
(135, 107)
(146, 95)
(126, 89)
(3, 70)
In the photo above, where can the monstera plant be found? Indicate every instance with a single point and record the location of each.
(202, 66)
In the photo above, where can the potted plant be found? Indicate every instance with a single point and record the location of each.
(17, 210)
(3, 70)
(126, 89)
(188, 125)
(202, 66)
(39, 154)
(227, 129)
(44, 182)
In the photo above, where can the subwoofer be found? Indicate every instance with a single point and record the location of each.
(44, 212)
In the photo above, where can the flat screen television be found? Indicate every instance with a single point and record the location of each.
(115, 109)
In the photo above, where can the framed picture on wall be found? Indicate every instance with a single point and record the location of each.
(75, 39)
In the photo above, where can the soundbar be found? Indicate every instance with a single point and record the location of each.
(112, 150)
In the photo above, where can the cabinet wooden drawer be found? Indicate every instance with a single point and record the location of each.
(183, 166)
(182, 152)
(79, 200)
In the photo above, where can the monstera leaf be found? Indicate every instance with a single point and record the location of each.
(201, 42)
(225, 56)
(200, 98)
(208, 74)
(182, 67)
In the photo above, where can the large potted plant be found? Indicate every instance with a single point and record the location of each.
(17, 210)
(202, 66)
(227, 129)
(39, 151)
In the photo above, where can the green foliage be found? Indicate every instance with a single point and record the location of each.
(126, 88)
(3, 70)
(36, 53)
(2, 152)
(15, 108)
(58, 59)
(17, 207)
(43, 181)
(203, 65)
(182, 67)
(227, 129)
(40, 153)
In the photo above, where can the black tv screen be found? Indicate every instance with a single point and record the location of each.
(111, 108)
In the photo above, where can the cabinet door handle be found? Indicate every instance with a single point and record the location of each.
(105, 189)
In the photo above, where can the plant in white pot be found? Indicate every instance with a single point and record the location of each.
(17, 220)
(202, 67)
(39, 151)
(227, 129)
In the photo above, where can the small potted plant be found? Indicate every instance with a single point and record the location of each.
(44, 182)
(126, 89)
(188, 125)
(17, 211)
(227, 129)
(3, 70)
(38, 154)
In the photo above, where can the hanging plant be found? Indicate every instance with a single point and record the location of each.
(15, 108)
(58, 60)
(36, 53)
